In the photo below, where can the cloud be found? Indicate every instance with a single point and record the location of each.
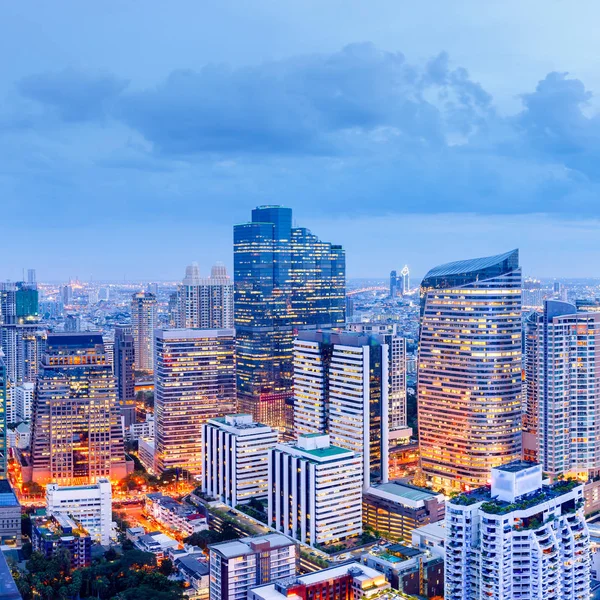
(75, 95)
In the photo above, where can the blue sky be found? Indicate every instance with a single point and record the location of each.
(134, 135)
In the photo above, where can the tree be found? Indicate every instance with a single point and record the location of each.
(166, 567)
(204, 538)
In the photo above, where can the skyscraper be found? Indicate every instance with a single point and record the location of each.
(286, 279)
(143, 324)
(405, 273)
(194, 381)
(562, 375)
(341, 387)
(3, 423)
(205, 303)
(469, 374)
(123, 363)
(76, 433)
(393, 284)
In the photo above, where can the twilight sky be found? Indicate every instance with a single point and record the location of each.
(133, 135)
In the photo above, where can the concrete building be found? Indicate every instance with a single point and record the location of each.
(143, 323)
(174, 515)
(143, 429)
(350, 581)
(395, 510)
(205, 303)
(194, 570)
(341, 388)
(431, 538)
(235, 451)
(10, 516)
(240, 565)
(194, 381)
(59, 532)
(156, 543)
(469, 377)
(24, 400)
(147, 454)
(315, 490)
(519, 539)
(76, 433)
(89, 505)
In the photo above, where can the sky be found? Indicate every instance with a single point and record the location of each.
(133, 135)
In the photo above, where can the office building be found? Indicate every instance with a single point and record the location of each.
(396, 509)
(393, 284)
(76, 433)
(235, 450)
(205, 303)
(4, 400)
(89, 505)
(562, 377)
(123, 365)
(315, 491)
(239, 565)
(519, 539)
(60, 532)
(143, 323)
(341, 385)
(405, 274)
(10, 516)
(352, 581)
(194, 381)
(286, 279)
(23, 395)
(469, 376)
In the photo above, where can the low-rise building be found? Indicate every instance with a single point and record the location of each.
(90, 505)
(409, 570)
(519, 539)
(352, 580)
(10, 516)
(395, 509)
(174, 515)
(59, 532)
(156, 543)
(194, 570)
(239, 565)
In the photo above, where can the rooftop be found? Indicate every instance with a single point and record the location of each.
(243, 546)
(516, 466)
(408, 492)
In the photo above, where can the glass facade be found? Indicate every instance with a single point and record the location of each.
(286, 279)
(469, 373)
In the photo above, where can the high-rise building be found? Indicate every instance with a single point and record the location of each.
(76, 433)
(194, 381)
(239, 565)
(235, 452)
(72, 323)
(205, 303)
(521, 539)
(469, 374)
(562, 383)
(123, 364)
(286, 279)
(341, 386)
(405, 274)
(3, 422)
(143, 323)
(315, 491)
(393, 284)
(24, 400)
(66, 295)
(31, 278)
(90, 505)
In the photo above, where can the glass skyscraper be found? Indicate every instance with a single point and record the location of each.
(469, 374)
(286, 279)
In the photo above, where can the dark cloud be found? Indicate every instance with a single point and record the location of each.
(75, 95)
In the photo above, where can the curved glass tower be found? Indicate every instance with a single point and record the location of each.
(469, 375)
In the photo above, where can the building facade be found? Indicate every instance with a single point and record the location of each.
(76, 433)
(562, 382)
(235, 450)
(143, 323)
(341, 385)
(24, 401)
(469, 373)
(10, 516)
(123, 364)
(89, 505)
(521, 539)
(315, 491)
(286, 279)
(205, 303)
(194, 381)
(59, 532)
(239, 565)
(4, 401)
